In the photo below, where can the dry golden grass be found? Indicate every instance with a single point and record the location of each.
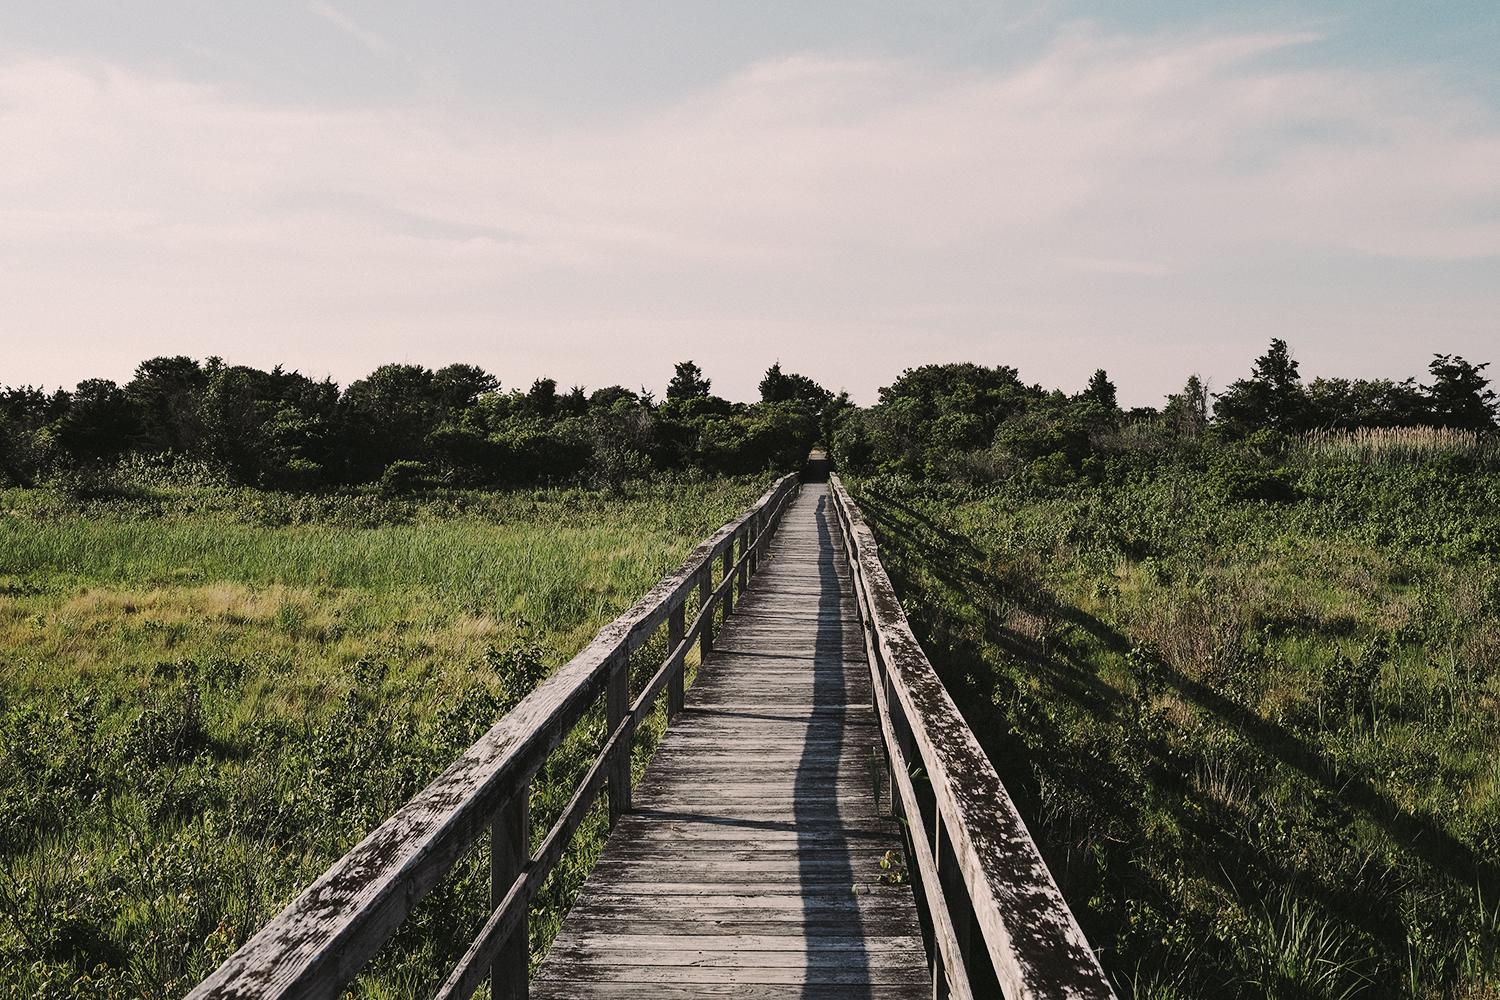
(1394, 445)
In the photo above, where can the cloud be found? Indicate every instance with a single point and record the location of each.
(369, 39)
(1106, 266)
(857, 214)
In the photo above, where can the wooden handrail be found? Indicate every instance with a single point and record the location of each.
(976, 864)
(317, 945)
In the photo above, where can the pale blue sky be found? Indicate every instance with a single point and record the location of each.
(593, 191)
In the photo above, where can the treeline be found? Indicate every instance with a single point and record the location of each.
(403, 426)
(967, 422)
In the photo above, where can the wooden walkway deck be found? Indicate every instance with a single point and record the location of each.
(736, 871)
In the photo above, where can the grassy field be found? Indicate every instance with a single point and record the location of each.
(1257, 739)
(208, 695)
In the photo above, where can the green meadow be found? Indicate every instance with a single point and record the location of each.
(1258, 740)
(207, 695)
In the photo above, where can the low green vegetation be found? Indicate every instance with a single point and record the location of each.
(209, 694)
(1250, 710)
(1237, 658)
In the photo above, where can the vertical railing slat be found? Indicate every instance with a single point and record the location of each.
(617, 706)
(705, 589)
(676, 688)
(510, 848)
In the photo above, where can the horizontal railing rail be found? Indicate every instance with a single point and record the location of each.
(997, 917)
(317, 945)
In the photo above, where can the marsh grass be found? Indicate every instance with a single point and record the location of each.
(1257, 741)
(207, 696)
(1398, 446)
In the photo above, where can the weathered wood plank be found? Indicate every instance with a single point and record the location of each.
(620, 871)
(706, 834)
(664, 952)
(722, 900)
(550, 989)
(756, 821)
(876, 927)
(636, 943)
(649, 975)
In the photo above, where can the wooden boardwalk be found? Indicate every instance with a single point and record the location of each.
(749, 864)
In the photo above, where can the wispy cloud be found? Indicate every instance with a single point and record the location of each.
(368, 38)
(1103, 265)
(851, 215)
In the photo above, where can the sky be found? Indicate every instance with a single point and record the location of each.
(594, 191)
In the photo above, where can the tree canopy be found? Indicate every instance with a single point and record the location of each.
(405, 425)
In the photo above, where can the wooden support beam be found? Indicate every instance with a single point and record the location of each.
(676, 627)
(617, 706)
(705, 591)
(510, 849)
(727, 575)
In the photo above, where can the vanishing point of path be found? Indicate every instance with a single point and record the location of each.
(749, 863)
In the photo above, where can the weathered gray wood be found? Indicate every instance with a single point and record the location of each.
(728, 575)
(781, 944)
(510, 914)
(662, 951)
(706, 635)
(744, 564)
(946, 962)
(755, 827)
(740, 991)
(876, 926)
(322, 939)
(617, 707)
(510, 849)
(1032, 938)
(646, 978)
(676, 635)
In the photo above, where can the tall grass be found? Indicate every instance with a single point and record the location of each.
(207, 696)
(1398, 446)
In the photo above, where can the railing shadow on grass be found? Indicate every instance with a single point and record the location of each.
(953, 560)
(996, 921)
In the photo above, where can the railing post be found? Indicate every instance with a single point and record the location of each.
(728, 572)
(744, 571)
(676, 628)
(705, 592)
(755, 532)
(616, 707)
(510, 847)
(955, 891)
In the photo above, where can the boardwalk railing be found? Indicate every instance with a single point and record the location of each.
(319, 943)
(997, 918)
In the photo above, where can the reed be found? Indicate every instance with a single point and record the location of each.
(1395, 446)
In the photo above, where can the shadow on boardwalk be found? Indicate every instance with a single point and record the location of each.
(756, 822)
